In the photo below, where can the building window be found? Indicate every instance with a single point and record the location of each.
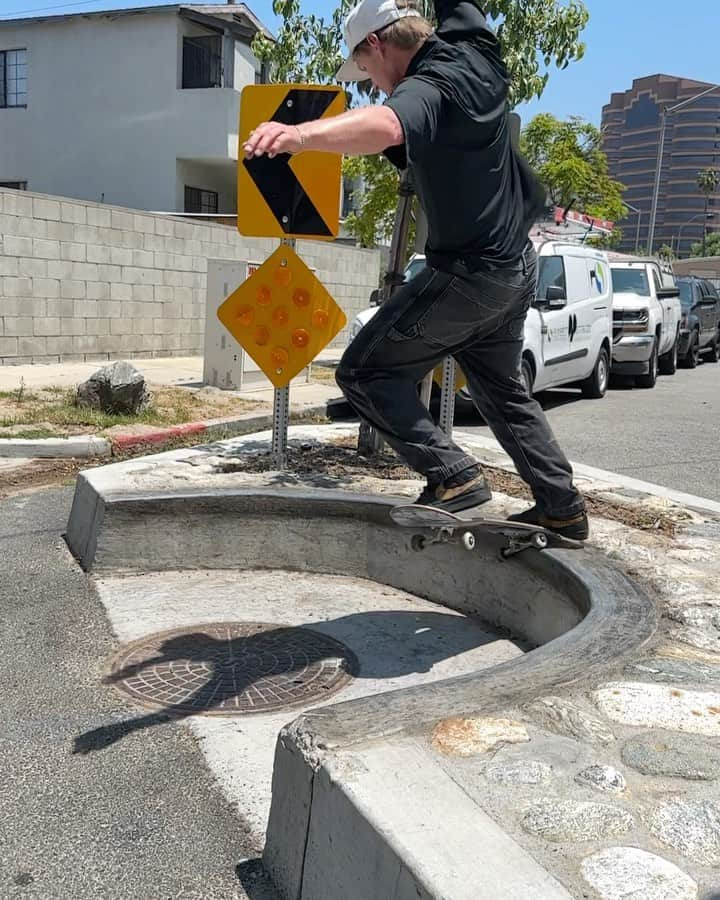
(13, 78)
(199, 201)
(202, 62)
(14, 185)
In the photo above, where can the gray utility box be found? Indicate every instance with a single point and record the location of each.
(226, 365)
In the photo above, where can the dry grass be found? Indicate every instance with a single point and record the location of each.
(51, 411)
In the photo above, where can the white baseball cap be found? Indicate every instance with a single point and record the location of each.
(364, 19)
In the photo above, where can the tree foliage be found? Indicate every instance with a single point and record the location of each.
(712, 245)
(569, 160)
(535, 36)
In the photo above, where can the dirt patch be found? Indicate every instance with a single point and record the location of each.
(51, 411)
(340, 459)
(39, 473)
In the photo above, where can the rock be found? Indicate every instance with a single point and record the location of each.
(118, 389)
(603, 778)
(671, 671)
(673, 755)
(702, 625)
(692, 828)
(661, 706)
(521, 772)
(469, 737)
(570, 820)
(627, 873)
(562, 717)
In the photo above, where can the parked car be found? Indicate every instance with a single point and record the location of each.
(568, 330)
(700, 322)
(646, 319)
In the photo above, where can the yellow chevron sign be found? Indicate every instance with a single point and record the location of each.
(289, 196)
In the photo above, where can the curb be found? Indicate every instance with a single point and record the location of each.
(55, 448)
(92, 446)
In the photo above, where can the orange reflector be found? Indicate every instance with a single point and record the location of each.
(300, 337)
(245, 315)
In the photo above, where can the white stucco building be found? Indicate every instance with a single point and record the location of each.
(133, 107)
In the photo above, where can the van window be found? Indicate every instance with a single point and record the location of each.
(414, 267)
(630, 281)
(551, 271)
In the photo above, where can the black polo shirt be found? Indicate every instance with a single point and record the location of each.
(478, 194)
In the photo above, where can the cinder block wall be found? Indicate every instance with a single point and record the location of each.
(87, 281)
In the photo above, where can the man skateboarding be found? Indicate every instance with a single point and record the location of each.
(446, 117)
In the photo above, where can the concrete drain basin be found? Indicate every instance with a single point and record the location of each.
(575, 615)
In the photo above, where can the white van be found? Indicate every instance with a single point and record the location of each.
(568, 330)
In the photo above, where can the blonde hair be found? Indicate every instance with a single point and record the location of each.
(405, 33)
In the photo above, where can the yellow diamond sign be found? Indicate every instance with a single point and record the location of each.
(460, 380)
(282, 316)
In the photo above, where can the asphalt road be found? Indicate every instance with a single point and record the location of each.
(669, 435)
(142, 818)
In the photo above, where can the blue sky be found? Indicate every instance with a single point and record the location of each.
(625, 39)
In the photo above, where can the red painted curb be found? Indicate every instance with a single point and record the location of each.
(125, 441)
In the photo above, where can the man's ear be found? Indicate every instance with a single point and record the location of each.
(373, 41)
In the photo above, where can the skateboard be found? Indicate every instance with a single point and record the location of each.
(448, 528)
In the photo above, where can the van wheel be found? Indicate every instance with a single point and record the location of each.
(526, 376)
(596, 384)
(648, 381)
(668, 361)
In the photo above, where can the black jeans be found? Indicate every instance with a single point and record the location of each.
(478, 318)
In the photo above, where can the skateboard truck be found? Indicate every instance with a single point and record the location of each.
(442, 536)
(517, 543)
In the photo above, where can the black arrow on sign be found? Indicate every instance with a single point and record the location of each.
(276, 181)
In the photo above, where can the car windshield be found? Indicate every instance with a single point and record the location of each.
(630, 281)
(413, 268)
(686, 293)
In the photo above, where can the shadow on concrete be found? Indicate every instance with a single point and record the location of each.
(426, 638)
(254, 880)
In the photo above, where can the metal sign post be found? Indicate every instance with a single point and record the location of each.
(281, 417)
(281, 408)
(447, 396)
(369, 441)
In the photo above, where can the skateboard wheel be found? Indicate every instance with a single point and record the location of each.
(468, 540)
(417, 542)
(540, 541)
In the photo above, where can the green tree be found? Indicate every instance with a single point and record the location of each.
(568, 158)
(535, 36)
(707, 181)
(709, 247)
(666, 252)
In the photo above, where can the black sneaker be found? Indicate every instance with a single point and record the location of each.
(576, 527)
(456, 498)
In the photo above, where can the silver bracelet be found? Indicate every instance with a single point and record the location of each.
(300, 135)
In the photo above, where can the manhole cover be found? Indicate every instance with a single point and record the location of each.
(232, 668)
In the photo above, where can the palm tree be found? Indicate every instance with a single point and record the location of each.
(708, 182)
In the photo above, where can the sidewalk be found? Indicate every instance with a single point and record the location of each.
(181, 371)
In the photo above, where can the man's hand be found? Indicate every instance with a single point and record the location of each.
(370, 129)
(272, 138)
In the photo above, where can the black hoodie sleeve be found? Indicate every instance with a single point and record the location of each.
(461, 20)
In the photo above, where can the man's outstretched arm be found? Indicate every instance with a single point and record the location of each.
(358, 132)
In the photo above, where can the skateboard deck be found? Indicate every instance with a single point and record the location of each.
(449, 528)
